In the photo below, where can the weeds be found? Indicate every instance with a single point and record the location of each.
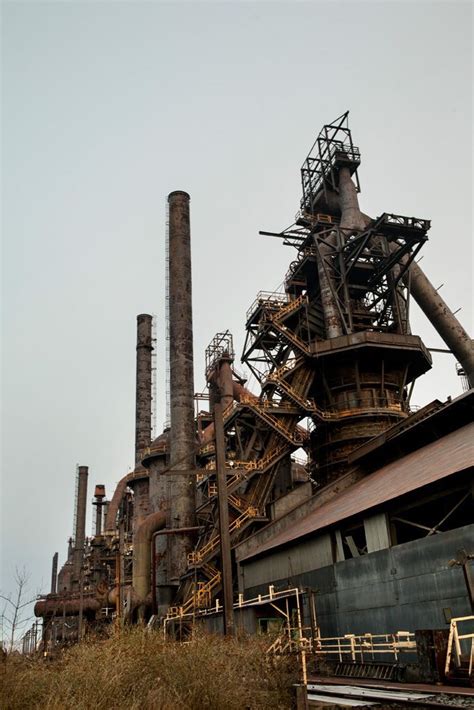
(136, 669)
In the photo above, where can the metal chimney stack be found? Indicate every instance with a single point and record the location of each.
(143, 407)
(80, 531)
(99, 495)
(143, 417)
(54, 574)
(182, 434)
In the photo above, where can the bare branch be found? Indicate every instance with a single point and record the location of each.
(18, 621)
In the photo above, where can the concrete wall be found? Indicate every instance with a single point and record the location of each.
(405, 587)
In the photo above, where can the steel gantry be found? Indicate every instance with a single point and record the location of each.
(334, 349)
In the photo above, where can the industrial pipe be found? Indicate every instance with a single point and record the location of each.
(225, 383)
(436, 310)
(351, 219)
(128, 592)
(351, 216)
(238, 392)
(141, 574)
(114, 505)
(51, 607)
(443, 319)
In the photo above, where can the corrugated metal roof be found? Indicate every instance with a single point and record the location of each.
(453, 452)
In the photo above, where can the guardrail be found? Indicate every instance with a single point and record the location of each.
(454, 653)
(354, 648)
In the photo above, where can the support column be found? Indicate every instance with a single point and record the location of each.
(226, 559)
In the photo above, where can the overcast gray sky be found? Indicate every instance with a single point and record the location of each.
(107, 107)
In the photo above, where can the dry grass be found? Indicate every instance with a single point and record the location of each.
(139, 670)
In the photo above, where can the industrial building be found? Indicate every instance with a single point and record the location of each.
(326, 480)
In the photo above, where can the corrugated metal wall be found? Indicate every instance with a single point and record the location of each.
(404, 588)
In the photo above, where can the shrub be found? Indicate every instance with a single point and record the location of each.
(136, 669)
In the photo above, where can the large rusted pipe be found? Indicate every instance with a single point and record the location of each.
(427, 297)
(143, 402)
(351, 216)
(226, 383)
(80, 531)
(140, 485)
(351, 219)
(141, 575)
(182, 432)
(443, 319)
(114, 505)
(238, 392)
(58, 606)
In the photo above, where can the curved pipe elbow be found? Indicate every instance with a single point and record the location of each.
(142, 553)
(110, 520)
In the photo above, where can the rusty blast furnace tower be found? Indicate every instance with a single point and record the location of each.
(335, 360)
(346, 322)
(333, 353)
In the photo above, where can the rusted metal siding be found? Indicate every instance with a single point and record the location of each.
(404, 587)
(442, 458)
(285, 564)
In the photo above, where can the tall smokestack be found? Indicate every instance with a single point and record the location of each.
(143, 389)
(54, 574)
(182, 434)
(140, 484)
(80, 531)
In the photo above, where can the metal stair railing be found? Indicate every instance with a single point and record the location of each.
(202, 596)
(213, 544)
(290, 336)
(291, 306)
(307, 405)
(236, 500)
(294, 437)
(286, 369)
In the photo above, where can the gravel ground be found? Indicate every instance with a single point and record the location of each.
(465, 701)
